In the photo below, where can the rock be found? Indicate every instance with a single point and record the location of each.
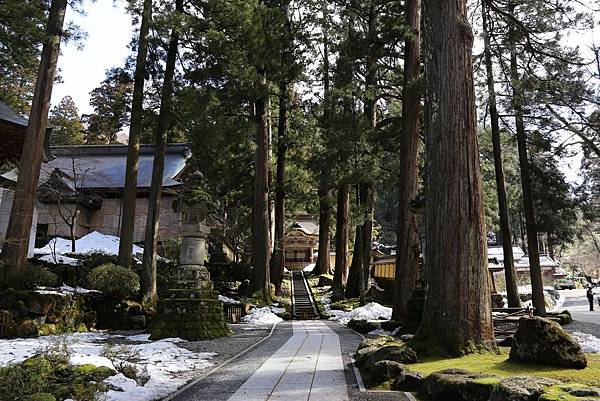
(571, 392)
(408, 381)
(337, 294)
(137, 322)
(377, 342)
(363, 354)
(27, 328)
(363, 326)
(543, 341)
(325, 280)
(396, 353)
(505, 342)
(93, 373)
(133, 308)
(385, 370)
(458, 385)
(406, 337)
(520, 388)
(497, 301)
(7, 322)
(390, 325)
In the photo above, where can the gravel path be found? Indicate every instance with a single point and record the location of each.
(584, 327)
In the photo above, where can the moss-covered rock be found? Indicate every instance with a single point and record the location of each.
(377, 342)
(408, 381)
(543, 341)
(385, 370)
(570, 392)
(363, 326)
(458, 385)
(520, 388)
(392, 352)
(325, 280)
(89, 372)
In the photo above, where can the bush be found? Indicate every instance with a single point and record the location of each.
(114, 281)
(33, 276)
(166, 276)
(95, 259)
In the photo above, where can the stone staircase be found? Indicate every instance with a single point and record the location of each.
(303, 305)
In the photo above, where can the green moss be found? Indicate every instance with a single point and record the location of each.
(346, 305)
(498, 364)
(557, 393)
(487, 381)
(41, 397)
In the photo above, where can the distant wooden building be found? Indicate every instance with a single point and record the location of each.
(93, 178)
(301, 243)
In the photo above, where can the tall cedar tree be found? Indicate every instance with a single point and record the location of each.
(323, 264)
(509, 265)
(457, 317)
(14, 251)
(149, 290)
(407, 254)
(261, 251)
(535, 270)
(133, 147)
(278, 259)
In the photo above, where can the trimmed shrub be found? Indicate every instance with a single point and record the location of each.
(114, 281)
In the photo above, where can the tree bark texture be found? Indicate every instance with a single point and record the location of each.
(535, 270)
(260, 213)
(16, 242)
(133, 146)
(341, 236)
(457, 316)
(407, 254)
(505, 230)
(149, 290)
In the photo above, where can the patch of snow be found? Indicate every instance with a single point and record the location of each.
(163, 359)
(263, 315)
(309, 268)
(382, 332)
(63, 290)
(371, 311)
(227, 300)
(60, 259)
(588, 342)
(93, 242)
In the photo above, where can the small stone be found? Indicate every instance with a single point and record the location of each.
(396, 353)
(406, 337)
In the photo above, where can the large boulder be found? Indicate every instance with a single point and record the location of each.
(363, 354)
(542, 341)
(520, 388)
(393, 352)
(458, 385)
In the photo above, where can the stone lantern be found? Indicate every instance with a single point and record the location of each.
(192, 310)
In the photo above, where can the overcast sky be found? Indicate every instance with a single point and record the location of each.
(109, 31)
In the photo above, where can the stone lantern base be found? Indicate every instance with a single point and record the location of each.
(192, 311)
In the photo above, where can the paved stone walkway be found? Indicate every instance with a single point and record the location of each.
(308, 367)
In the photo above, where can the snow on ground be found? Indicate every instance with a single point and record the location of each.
(309, 268)
(265, 315)
(163, 359)
(588, 342)
(93, 242)
(63, 260)
(371, 311)
(63, 290)
(382, 332)
(227, 300)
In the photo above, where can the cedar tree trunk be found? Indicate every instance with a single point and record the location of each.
(133, 147)
(149, 291)
(407, 254)
(535, 270)
(341, 236)
(457, 317)
(505, 230)
(260, 212)
(16, 242)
